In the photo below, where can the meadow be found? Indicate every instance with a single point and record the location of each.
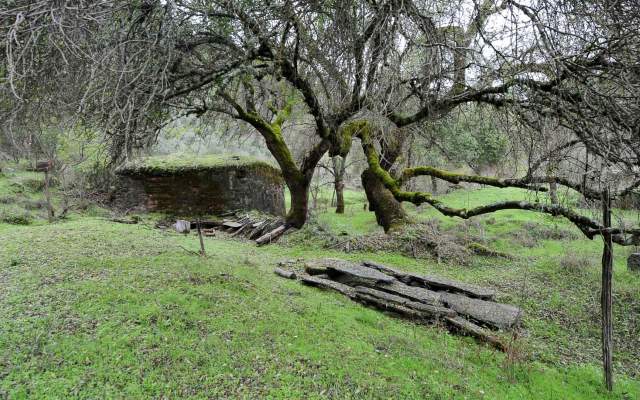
(90, 308)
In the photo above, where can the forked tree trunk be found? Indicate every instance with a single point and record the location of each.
(47, 195)
(389, 212)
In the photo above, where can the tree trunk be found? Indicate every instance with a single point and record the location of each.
(47, 196)
(339, 197)
(605, 295)
(297, 215)
(553, 193)
(338, 173)
(552, 170)
(389, 212)
(434, 185)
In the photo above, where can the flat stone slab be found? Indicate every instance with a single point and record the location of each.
(435, 282)
(354, 272)
(458, 287)
(315, 267)
(328, 284)
(503, 316)
(419, 294)
(403, 301)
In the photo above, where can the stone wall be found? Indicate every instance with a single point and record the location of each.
(207, 191)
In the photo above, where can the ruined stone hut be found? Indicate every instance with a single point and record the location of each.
(189, 185)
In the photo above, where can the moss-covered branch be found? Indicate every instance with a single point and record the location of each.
(272, 133)
(456, 178)
(589, 227)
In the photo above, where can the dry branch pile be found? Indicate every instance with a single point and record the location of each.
(463, 308)
(425, 239)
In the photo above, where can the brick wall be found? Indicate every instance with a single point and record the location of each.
(207, 191)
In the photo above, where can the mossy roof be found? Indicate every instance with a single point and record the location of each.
(181, 164)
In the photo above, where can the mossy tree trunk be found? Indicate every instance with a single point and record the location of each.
(389, 212)
(297, 176)
(297, 215)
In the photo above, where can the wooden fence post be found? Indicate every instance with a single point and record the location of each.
(605, 295)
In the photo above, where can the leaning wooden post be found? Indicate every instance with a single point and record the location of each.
(605, 295)
(199, 227)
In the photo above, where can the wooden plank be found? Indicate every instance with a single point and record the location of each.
(268, 226)
(271, 236)
(257, 227)
(434, 282)
(503, 316)
(206, 224)
(231, 224)
(248, 223)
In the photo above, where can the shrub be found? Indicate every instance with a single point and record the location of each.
(16, 219)
(542, 232)
(34, 204)
(575, 263)
(7, 200)
(35, 185)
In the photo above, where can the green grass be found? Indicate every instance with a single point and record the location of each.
(93, 309)
(22, 200)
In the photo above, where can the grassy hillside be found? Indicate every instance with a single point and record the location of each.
(93, 309)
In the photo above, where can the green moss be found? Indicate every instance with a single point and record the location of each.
(358, 128)
(180, 164)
